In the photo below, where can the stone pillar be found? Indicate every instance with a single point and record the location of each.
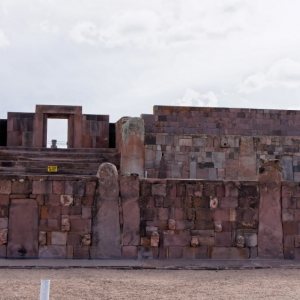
(130, 142)
(270, 232)
(23, 229)
(106, 234)
(130, 190)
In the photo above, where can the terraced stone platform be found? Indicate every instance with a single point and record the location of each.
(16, 160)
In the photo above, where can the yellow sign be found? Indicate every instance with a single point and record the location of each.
(52, 168)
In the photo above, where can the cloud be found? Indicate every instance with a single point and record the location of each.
(167, 27)
(283, 73)
(3, 40)
(47, 27)
(194, 98)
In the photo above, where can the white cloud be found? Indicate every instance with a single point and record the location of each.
(284, 72)
(3, 40)
(194, 98)
(171, 26)
(47, 27)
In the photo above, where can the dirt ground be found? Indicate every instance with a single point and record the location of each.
(152, 284)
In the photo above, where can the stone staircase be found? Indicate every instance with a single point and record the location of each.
(84, 161)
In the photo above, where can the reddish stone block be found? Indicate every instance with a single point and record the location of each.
(86, 212)
(79, 188)
(88, 200)
(145, 188)
(184, 225)
(198, 190)
(81, 252)
(130, 252)
(54, 212)
(290, 228)
(65, 210)
(52, 251)
(80, 225)
(204, 214)
(40, 199)
(52, 200)
(69, 187)
(248, 203)
(201, 202)
(221, 214)
(195, 252)
(73, 239)
(162, 214)
(4, 199)
(90, 188)
(41, 187)
(289, 253)
(75, 210)
(175, 252)
(180, 190)
(5, 187)
(21, 187)
(53, 225)
(182, 239)
(159, 201)
(286, 191)
(231, 190)
(228, 202)
(178, 214)
(3, 211)
(44, 212)
(220, 191)
(204, 225)
(289, 202)
(209, 190)
(223, 239)
(3, 249)
(248, 215)
(58, 187)
(161, 225)
(230, 253)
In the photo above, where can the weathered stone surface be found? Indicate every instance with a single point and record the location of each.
(130, 252)
(53, 251)
(42, 238)
(23, 229)
(106, 235)
(159, 189)
(182, 239)
(286, 164)
(270, 234)
(154, 241)
(5, 187)
(3, 236)
(3, 223)
(65, 223)
(132, 146)
(59, 238)
(66, 200)
(230, 253)
(129, 190)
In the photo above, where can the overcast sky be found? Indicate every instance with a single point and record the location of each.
(121, 57)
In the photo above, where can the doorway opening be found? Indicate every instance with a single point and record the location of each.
(57, 129)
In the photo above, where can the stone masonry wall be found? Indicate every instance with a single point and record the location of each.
(199, 219)
(53, 216)
(220, 143)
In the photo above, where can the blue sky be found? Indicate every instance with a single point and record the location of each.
(121, 57)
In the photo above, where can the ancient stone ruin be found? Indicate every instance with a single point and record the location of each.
(183, 182)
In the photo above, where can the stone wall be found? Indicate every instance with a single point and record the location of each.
(82, 217)
(20, 129)
(220, 143)
(199, 219)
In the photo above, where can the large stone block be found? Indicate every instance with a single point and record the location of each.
(129, 190)
(5, 187)
(53, 251)
(230, 253)
(106, 235)
(23, 229)
(182, 239)
(270, 234)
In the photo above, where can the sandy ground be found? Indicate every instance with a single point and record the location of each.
(152, 284)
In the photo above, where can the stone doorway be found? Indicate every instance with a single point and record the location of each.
(73, 114)
(57, 133)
